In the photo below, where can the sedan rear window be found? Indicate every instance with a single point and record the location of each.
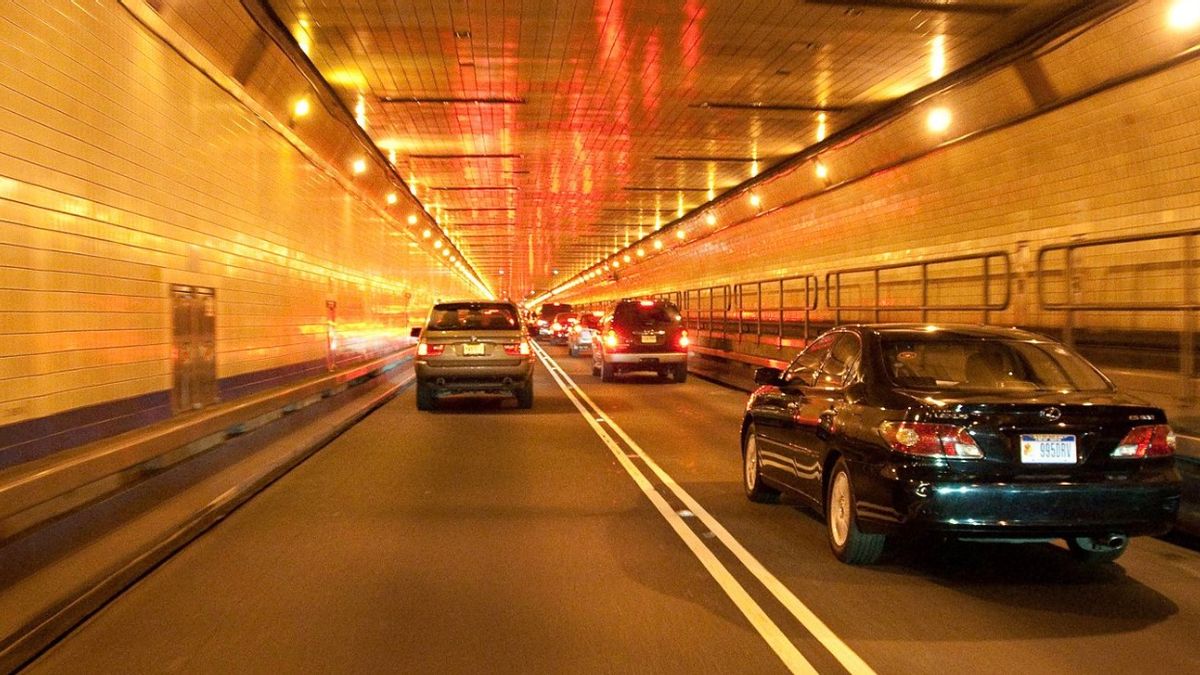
(986, 365)
(473, 316)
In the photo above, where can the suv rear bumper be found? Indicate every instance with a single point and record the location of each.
(646, 358)
(474, 378)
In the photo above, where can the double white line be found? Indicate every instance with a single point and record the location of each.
(767, 628)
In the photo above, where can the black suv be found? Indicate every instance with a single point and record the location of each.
(641, 335)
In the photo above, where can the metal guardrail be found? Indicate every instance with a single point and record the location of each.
(779, 289)
(1186, 306)
(42, 486)
(835, 281)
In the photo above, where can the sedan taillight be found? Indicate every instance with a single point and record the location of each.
(520, 349)
(930, 440)
(426, 349)
(1153, 440)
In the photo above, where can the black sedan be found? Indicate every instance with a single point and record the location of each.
(959, 431)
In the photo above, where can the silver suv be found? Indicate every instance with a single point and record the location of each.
(473, 346)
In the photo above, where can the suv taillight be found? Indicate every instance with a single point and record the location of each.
(611, 340)
(930, 440)
(519, 349)
(425, 349)
(682, 342)
(1153, 440)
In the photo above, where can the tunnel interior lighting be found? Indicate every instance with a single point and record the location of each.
(359, 166)
(626, 259)
(938, 120)
(658, 245)
(681, 233)
(755, 200)
(616, 264)
(641, 252)
(821, 170)
(445, 253)
(1184, 15)
(427, 234)
(392, 198)
(711, 219)
(437, 244)
(301, 108)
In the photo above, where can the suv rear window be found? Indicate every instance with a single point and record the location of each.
(645, 314)
(473, 316)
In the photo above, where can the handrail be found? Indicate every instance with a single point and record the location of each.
(833, 286)
(28, 485)
(811, 297)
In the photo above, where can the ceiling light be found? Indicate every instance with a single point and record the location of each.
(453, 258)
(711, 219)
(445, 252)
(427, 233)
(437, 244)
(822, 170)
(658, 244)
(359, 166)
(616, 264)
(755, 200)
(681, 234)
(301, 108)
(626, 258)
(391, 198)
(412, 220)
(1184, 15)
(641, 252)
(939, 120)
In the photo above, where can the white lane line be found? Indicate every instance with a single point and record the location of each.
(775, 638)
(840, 650)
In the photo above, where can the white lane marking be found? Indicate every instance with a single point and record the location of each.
(775, 638)
(840, 650)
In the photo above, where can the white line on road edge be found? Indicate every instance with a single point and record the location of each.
(839, 649)
(783, 647)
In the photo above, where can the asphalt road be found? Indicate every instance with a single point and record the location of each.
(488, 539)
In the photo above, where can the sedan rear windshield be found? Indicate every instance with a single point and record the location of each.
(473, 316)
(986, 365)
(640, 315)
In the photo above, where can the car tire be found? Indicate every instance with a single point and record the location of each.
(1093, 551)
(525, 395)
(426, 399)
(849, 544)
(607, 372)
(681, 373)
(756, 490)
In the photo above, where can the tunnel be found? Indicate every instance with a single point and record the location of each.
(236, 236)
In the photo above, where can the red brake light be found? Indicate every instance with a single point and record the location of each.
(1154, 440)
(556, 326)
(610, 339)
(520, 349)
(930, 440)
(425, 349)
(646, 303)
(683, 340)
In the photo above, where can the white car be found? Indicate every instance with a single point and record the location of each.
(581, 334)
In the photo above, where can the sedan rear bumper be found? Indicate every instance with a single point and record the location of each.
(1013, 510)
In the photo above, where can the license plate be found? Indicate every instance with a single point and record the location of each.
(473, 350)
(1048, 449)
(649, 339)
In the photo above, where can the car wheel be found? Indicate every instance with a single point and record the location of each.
(756, 490)
(849, 544)
(1097, 550)
(525, 395)
(607, 372)
(426, 400)
(681, 373)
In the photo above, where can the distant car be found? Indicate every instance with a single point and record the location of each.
(473, 347)
(579, 339)
(540, 326)
(967, 432)
(561, 326)
(641, 335)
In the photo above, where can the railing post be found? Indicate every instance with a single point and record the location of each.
(924, 292)
(1069, 322)
(876, 295)
(1187, 359)
(987, 288)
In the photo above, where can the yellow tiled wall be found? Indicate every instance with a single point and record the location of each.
(123, 170)
(1006, 178)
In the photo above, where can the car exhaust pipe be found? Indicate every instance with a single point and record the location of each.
(1116, 540)
(441, 382)
(508, 381)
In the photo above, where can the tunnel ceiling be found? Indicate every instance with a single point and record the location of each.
(544, 133)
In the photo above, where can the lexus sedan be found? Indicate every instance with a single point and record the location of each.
(968, 432)
(473, 347)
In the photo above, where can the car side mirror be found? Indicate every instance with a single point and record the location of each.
(415, 332)
(771, 376)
